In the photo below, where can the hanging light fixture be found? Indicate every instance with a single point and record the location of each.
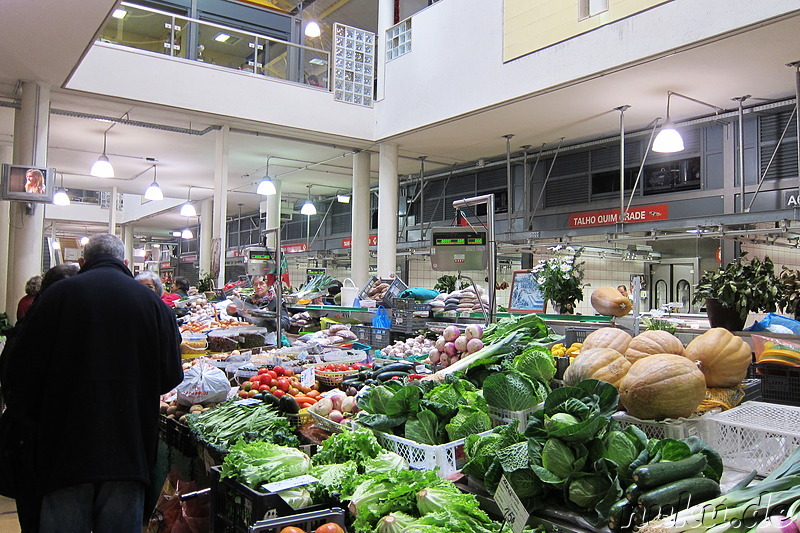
(176, 233)
(61, 197)
(187, 209)
(669, 140)
(308, 207)
(102, 167)
(84, 240)
(343, 198)
(266, 187)
(313, 30)
(153, 192)
(187, 234)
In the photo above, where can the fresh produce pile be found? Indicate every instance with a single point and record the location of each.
(335, 334)
(376, 373)
(277, 384)
(228, 422)
(461, 301)
(336, 405)
(315, 286)
(452, 345)
(377, 291)
(195, 326)
(573, 456)
(413, 348)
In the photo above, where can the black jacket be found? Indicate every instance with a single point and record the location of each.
(87, 368)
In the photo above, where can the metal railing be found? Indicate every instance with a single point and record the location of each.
(179, 36)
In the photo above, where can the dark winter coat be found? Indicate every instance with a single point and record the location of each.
(87, 368)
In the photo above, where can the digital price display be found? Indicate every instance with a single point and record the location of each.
(315, 271)
(458, 249)
(259, 255)
(475, 240)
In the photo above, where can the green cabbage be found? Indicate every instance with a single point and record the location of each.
(558, 458)
(256, 463)
(512, 391)
(468, 421)
(385, 462)
(536, 362)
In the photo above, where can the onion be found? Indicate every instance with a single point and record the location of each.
(444, 360)
(450, 349)
(777, 524)
(336, 416)
(474, 331)
(451, 333)
(455, 358)
(461, 343)
(434, 356)
(473, 345)
(439, 344)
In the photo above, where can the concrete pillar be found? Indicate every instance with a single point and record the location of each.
(360, 217)
(127, 238)
(112, 211)
(204, 246)
(5, 157)
(31, 126)
(385, 21)
(387, 210)
(271, 207)
(219, 232)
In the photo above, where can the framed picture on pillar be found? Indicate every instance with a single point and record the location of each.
(27, 183)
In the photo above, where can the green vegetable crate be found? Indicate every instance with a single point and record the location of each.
(662, 429)
(305, 521)
(235, 507)
(448, 458)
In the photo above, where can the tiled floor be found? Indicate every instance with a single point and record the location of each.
(8, 516)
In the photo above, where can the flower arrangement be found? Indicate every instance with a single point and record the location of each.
(560, 278)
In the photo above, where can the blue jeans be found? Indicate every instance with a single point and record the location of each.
(106, 507)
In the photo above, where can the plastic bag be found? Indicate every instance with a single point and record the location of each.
(773, 351)
(380, 320)
(203, 384)
(171, 515)
(776, 324)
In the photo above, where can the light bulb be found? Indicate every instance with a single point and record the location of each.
(187, 234)
(61, 197)
(188, 210)
(266, 187)
(84, 240)
(313, 29)
(153, 192)
(668, 139)
(343, 198)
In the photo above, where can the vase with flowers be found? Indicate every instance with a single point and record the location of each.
(560, 278)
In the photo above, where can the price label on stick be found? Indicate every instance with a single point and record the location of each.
(290, 483)
(307, 377)
(510, 505)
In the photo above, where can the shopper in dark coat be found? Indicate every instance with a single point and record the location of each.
(105, 348)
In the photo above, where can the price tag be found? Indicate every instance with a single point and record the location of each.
(421, 369)
(290, 483)
(307, 377)
(513, 511)
(247, 401)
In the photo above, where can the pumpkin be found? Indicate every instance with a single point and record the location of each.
(662, 386)
(651, 342)
(721, 356)
(604, 364)
(613, 338)
(608, 301)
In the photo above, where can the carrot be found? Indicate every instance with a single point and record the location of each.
(313, 394)
(305, 399)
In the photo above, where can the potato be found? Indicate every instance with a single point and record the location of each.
(182, 419)
(172, 409)
(164, 407)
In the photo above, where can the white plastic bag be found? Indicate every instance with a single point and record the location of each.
(203, 384)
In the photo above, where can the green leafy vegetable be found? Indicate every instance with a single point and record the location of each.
(468, 421)
(559, 458)
(511, 391)
(225, 424)
(385, 462)
(424, 428)
(256, 463)
(480, 449)
(334, 479)
(359, 445)
(535, 362)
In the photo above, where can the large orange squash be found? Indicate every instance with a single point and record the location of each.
(721, 356)
(608, 301)
(662, 386)
(613, 338)
(651, 342)
(604, 364)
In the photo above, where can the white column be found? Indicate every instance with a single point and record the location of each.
(385, 21)
(360, 218)
(31, 125)
(387, 210)
(219, 232)
(127, 238)
(112, 212)
(5, 157)
(271, 207)
(206, 222)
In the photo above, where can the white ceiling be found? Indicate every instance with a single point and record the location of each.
(752, 62)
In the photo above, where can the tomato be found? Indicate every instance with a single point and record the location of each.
(263, 388)
(293, 392)
(288, 372)
(292, 530)
(272, 374)
(247, 385)
(356, 366)
(278, 370)
(278, 393)
(273, 382)
(330, 527)
(263, 370)
(251, 393)
(243, 394)
(283, 384)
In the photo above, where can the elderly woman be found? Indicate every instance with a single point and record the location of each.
(151, 280)
(32, 288)
(264, 297)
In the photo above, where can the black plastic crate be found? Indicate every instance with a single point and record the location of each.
(396, 286)
(236, 507)
(179, 437)
(779, 384)
(364, 333)
(406, 322)
(381, 338)
(305, 521)
(576, 334)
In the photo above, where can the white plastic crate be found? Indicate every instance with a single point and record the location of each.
(449, 458)
(501, 417)
(754, 436)
(662, 429)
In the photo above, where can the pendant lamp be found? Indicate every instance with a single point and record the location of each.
(187, 209)
(61, 197)
(153, 192)
(266, 187)
(102, 167)
(308, 207)
(669, 140)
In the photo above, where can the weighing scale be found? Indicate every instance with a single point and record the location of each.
(454, 248)
(259, 261)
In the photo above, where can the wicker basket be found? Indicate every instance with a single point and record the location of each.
(332, 379)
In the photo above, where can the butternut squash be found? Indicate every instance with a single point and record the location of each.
(662, 386)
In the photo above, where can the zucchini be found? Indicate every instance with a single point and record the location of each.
(681, 493)
(620, 516)
(394, 367)
(386, 376)
(633, 492)
(657, 474)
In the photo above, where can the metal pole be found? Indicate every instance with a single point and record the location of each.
(509, 184)
(487, 199)
(622, 110)
(796, 65)
(526, 193)
(741, 100)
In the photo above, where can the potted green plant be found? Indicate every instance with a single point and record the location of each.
(560, 278)
(206, 285)
(789, 295)
(731, 293)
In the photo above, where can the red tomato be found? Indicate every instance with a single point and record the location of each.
(263, 370)
(283, 384)
(243, 394)
(278, 370)
(263, 388)
(288, 372)
(330, 527)
(292, 530)
(278, 393)
(272, 374)
(356, 366)
(247, 385)
(273, 382)
(293, 392)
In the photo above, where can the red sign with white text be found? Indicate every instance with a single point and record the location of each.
(294, 248)
(348, 242)
(643, 213)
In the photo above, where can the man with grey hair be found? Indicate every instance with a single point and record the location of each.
(113, 347)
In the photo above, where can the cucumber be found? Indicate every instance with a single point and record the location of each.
(657, 474)
(394, 367)
(386, 376)
(681, 493)
(633, 492)
(620, 516)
